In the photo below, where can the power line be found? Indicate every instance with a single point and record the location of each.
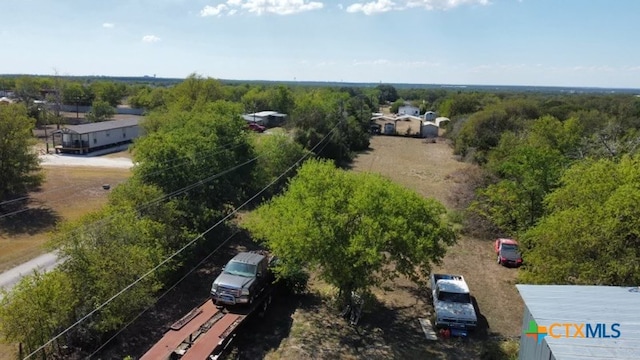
(143, 206)
(164, 294)
(178, 251)
(162, 169)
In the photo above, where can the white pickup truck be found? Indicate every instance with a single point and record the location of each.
(452, 303)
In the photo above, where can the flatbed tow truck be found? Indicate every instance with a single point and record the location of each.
(206, 331)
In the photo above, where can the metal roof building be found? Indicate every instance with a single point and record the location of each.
(574, 322)
(102, 126)
(85, 138)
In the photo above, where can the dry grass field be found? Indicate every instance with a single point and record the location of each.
(308, 329)
(67, 194)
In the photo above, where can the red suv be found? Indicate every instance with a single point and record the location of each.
(256, 127)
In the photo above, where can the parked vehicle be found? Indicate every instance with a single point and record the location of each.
(452, 304)
(243, 280)
(256, 127)
(508, 252)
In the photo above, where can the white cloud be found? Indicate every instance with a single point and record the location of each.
(150, 38)
(259, 7)
(374, 7)
(108, 25)
(380, 6)
(213, 10)
(281, 7)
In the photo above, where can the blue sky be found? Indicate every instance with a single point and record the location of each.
(485, 42)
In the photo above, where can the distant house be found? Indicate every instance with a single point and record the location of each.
(85, 138)
(570, 322)
(409, 110)
(430, 116)
(266, 118)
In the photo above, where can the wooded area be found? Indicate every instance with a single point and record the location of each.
(560, 173)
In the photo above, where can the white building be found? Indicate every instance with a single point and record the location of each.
(409, 110)
(266, 118)
(85, 138)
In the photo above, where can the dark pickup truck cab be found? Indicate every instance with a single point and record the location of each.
(243, 280)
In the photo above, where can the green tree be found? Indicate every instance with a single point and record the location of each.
(387, 93)
(280, 152)
(109, 92)
(27, 89)
(35, 310)
(195, 91)
(102, 259)
(395, 106)
(197, 144)
(19, 164)
(100, 111)
(590, 235)
(356, 229)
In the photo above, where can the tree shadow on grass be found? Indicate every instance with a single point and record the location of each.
(20, 219)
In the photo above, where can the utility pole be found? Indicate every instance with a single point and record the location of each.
(43, 111)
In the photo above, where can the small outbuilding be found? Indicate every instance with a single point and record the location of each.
(429, 129)
(430, 116)
(85, 138)
(442, 121)
(571, 322)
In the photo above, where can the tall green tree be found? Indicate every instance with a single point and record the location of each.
(591, 234)
(100, 111)
(19, 163)
(103, 257)
(356, 229)
(109, 92)
(387, 93)
(36, 309)
(185, 147)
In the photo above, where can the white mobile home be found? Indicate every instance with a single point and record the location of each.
(409, 110)
(85, 138)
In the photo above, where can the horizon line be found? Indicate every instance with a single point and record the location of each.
(329, 81)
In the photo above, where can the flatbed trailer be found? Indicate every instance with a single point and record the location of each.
(205, 332)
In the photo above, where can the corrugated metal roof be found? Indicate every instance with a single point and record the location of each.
(101, 126)
(587, 304)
